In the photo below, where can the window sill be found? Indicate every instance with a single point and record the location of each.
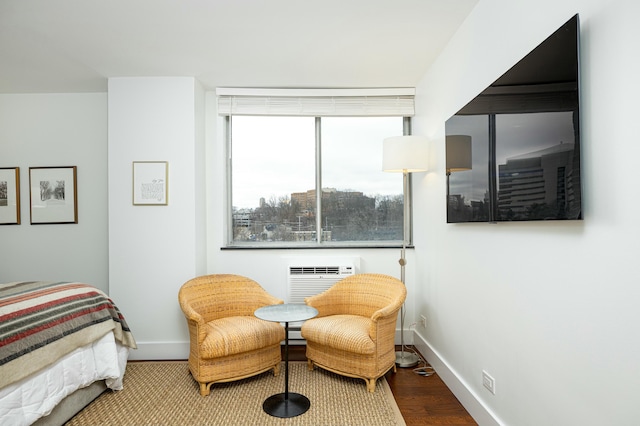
(276, 246)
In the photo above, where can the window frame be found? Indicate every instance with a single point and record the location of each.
(317, 243)
(314, 102)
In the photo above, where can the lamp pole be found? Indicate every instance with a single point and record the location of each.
(404, 358)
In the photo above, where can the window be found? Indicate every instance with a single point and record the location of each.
(310, 181)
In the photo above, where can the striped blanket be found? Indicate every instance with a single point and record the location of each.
(41, 321)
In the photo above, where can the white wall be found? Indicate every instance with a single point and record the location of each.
(153, 250)
(549, 309)
(57, 130)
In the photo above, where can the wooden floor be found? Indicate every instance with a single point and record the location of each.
(423, 400)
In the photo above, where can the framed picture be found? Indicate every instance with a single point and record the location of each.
(54, 197)
(150, 183)
(10, 196)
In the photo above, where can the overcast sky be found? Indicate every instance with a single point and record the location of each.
(274, 156)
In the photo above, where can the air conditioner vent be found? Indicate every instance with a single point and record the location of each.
(304, 281)
(314, 270)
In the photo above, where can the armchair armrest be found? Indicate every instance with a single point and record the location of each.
(267, 299)
(383, 321)
(386, 311)
(324, 302)
(190, 313)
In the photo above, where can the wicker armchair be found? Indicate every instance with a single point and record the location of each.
(227, 342)
(353, 334)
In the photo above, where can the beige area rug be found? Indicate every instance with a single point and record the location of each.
(164, 393)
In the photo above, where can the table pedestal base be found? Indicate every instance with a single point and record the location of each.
(278, 406)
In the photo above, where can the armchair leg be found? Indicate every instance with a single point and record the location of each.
(310, 365)
(276, 370)
(371, 385)
(205, 388)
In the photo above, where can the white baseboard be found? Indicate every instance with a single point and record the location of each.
(467, 397)
(148, 351)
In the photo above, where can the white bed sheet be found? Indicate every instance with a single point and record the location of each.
(25, 401)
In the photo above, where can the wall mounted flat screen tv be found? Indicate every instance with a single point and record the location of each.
(513, 152)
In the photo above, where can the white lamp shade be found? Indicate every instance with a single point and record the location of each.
(458, 153)
(404, 154)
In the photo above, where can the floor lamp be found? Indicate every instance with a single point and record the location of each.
(405, 154)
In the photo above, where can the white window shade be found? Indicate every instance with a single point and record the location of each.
(317, 102)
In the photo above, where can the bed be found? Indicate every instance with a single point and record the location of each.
(61, 345)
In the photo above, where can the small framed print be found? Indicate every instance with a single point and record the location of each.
(54, 195)
(150, 183)
(10, 196)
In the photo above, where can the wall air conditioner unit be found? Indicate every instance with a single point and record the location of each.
(305, 281)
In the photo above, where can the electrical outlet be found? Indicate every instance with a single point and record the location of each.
(488, 382)
(423, 321)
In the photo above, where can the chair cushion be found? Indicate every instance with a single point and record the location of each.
(234, 335)
(345, 332)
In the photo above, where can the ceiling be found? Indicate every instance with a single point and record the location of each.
(49, 46)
